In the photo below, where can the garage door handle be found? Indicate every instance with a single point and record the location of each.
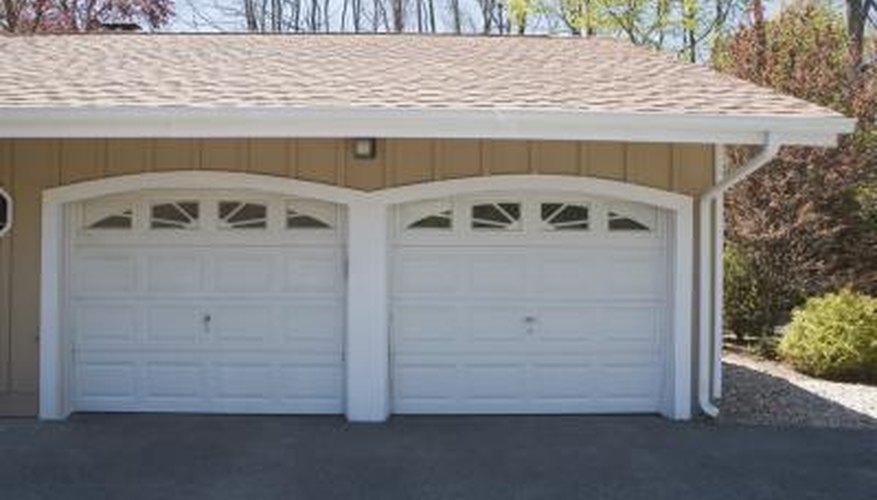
(207, 319)
(530, 319)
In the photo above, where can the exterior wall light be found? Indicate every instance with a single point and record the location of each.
(364, 149)
(5, 212)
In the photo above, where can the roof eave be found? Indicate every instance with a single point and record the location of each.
(487, 123)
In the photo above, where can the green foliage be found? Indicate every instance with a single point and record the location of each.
(806, 221)
(834, 336)
(742, 296)
(807, 55)
(757, 296)
(686, 27)
(866, 198)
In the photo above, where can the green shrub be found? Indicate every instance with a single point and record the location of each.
(758, 295)
(741, 312)
(834, 336)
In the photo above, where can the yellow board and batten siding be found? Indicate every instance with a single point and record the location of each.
(27, 167)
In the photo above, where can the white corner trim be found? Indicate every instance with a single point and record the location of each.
(368, 329)
(53, 383)
(368, 289)
(110, 122)
(10, 214)
(683, 321)
(719, 266)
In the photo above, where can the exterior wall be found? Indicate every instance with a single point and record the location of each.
(27, 167)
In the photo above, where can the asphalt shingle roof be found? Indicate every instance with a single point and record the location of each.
(371, 71)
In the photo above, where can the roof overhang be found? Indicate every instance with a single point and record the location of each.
(160, 122)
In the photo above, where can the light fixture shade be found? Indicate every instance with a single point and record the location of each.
(364, 149)
(5, 212)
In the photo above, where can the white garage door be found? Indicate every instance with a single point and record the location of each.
(529, 304)
(206, 302)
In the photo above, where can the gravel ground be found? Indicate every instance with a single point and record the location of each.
(764, 392)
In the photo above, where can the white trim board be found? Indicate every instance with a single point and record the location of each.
(133, 122)
(368, 224)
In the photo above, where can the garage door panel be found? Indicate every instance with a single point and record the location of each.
(426, 322)
(565, 275)
(103, 273)
(97, 379)
(97, 324)
(313, 271)
(310, 381)
(165, 380)
(178, 273)
(498, 274)
(495, 323)
(628, 381)
(314, 322)
(243, 272)
(421, 382)
(236, 323)
(635, 274)
(567, 382)
(235, 381)
(496, 381)
(171, 323)
(421, 272)
(599, 322)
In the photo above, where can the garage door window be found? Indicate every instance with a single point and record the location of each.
(429, 215)
(496, 216)
(621, 220)
(441, 220)
(175, 215)
(565, 217)
(309, 215)
(109, 216)
(543, 216)
(242, 215)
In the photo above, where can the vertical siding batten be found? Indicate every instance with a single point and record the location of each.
(82, 160)
(128, 156)
(410, 161)
(271, 157)
(650, 165)
(317, 160)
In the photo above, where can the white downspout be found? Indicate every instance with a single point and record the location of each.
(709, 276)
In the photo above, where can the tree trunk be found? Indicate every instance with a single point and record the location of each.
(250, 15)
(857, 17)
(398, 16)
(761, 39)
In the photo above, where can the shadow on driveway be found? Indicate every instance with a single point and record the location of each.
(94, 456)
(754, 397)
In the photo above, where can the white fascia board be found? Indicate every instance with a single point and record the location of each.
(134, 122)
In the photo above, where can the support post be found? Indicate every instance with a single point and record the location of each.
(367, 350)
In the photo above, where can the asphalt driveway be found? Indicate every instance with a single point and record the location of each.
(220, 457)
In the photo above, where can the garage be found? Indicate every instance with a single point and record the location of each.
(206, 301)
(530, 303)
